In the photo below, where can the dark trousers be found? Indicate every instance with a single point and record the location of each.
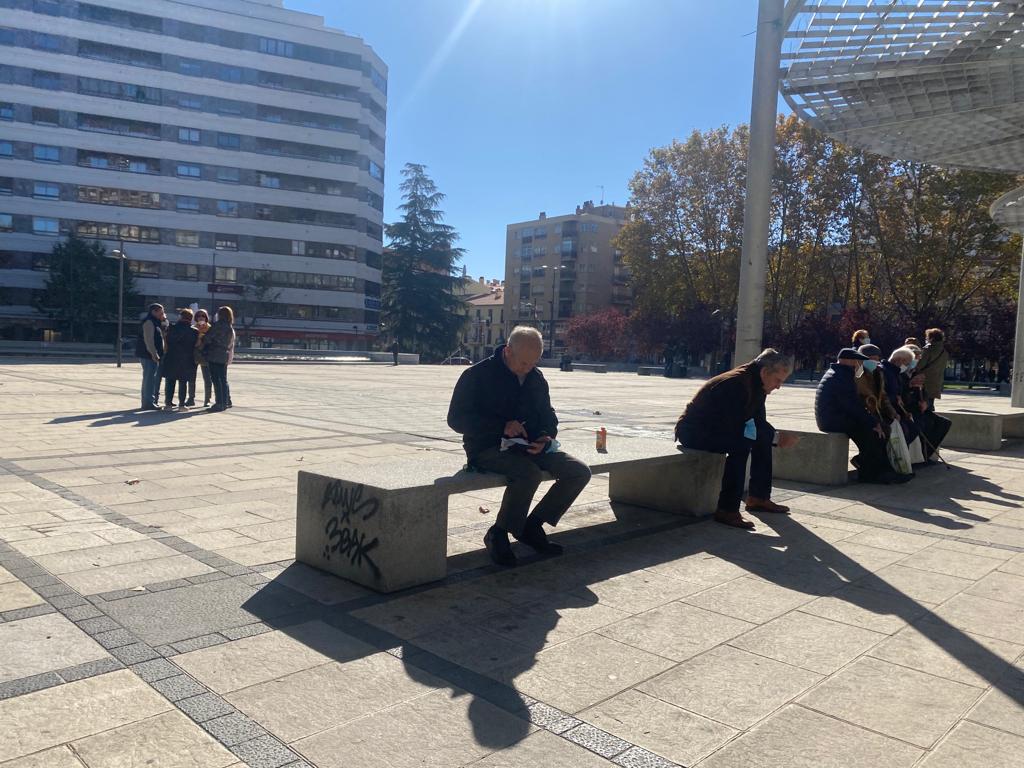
(737, 450)
(933, 427)
(873, 460)
(169, 386)
(207, 384)
(221, 390)
(524, 476)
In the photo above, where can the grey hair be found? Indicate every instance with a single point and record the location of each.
(773, 360)
(903, 353)
(523, 334)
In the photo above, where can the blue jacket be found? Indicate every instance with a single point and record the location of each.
(837, 408)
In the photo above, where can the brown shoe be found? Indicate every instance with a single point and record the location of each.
(733, 519)
(755, 504)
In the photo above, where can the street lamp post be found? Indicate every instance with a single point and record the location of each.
(551, 311)
(119, 255)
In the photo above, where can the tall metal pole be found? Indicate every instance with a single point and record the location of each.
(120, 302)
(1017, 384)
(551, 311)
(760, 164)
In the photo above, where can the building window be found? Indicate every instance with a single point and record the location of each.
(190, 67)
(6, 110)
(277, 47)
(230, 175)
(46, 190)
(378, 80)
(6, 149)
(298, 247)
(229, 140)
(112, 196)
(376, 171)
(189, 170)
(6, 222)
(44, 154)
(226, 275)
(47, 80)
(266, 180)
(45, 226)
(45, 41)
(186, 239)
(188, 135)
(186, 272)
(227, 208)
(6, 186)
(187, 204)
(49, 7)
(226, 243)
(230, 74)
(43, 116)
(144, 268)
(190, 102)
(264, 212)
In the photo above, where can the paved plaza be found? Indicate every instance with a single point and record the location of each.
(151, 613)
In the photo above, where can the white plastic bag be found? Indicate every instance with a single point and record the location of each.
(916, 454)
(899, 453)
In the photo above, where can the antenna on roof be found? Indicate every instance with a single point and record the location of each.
(601, 187)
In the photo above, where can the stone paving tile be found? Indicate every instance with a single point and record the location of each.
(233, 729)
(676, 630)
(157, 669)
(307, 702)
(178, 687)
(198, 610)
(454, 728)
(658, 726)
(750, 599)
(89, 669)
(204, 707)
(975, 746)
(997, 585)
(195, 643)
(952, 563)
(903, 703)
(981, 616)
(868, 609)
(251, 660)
(68, 712)
(799, 738)
(916, 584)
(58, 757)
(130, 575)
(15, 595)
(103, 556)
(1001, 707)
(43, 644)
(169, 740)
(24, 685)
(265, 752)
(542, 749)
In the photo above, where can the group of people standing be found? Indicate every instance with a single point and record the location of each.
(886, 406)
(177, 352)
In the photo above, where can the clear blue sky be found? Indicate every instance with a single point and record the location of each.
(538, 102)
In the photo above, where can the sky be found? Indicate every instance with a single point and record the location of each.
(522, 106)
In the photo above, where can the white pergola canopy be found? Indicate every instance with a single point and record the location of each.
(937, 81)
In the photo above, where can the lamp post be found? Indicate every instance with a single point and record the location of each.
(551, 309)
(120, 256)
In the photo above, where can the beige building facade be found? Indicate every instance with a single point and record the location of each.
(484, 306)
(560, 267)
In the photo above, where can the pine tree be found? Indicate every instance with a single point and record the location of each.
(418, 307)
(81, 292)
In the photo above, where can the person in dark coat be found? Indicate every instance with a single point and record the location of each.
(837, 408)
(506, 397)
(727, 415)
(394, 352)
(179, 363)
(149, 349)
(218, 345)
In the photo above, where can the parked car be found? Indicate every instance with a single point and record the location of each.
(457, 361)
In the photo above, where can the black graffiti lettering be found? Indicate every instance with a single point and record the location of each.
(349, 498)
(350, 543)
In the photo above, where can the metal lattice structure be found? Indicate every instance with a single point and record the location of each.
(937, 81)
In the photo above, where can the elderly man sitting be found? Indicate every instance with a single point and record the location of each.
(837, 408)
(727, 415)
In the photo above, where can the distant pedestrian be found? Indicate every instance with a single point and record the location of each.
(394, 352)
(202, 325)
(149, 348)
(179, 364)
(1004, 370)
(860, 338)
(217, 346)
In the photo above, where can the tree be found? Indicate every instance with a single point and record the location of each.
(80, 294)
(418, 307)
(601, 335)
(255, 297)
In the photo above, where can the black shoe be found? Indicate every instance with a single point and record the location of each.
(498, 547)
(230, 405)
(190, 402)
(151, 408)
(882, 478)
(533, 535)
(218, 408)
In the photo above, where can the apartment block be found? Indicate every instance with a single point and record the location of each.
(225, 143)
(558, 267)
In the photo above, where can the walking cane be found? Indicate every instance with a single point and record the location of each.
(933, 449)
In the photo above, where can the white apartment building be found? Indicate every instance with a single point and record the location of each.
(227, 143)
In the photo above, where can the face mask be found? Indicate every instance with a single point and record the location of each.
(216, 316)
(867, 340)
(913, 364)
(870, 365)
(904, 368)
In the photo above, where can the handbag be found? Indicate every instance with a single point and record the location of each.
(899, 453)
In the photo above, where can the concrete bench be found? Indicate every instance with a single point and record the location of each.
(982, 430)
(386, 526)
(820, 457)
(594, 367)
(650, 370)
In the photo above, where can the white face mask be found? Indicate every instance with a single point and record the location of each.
(860, 371)
(216, 316)
(867, 340)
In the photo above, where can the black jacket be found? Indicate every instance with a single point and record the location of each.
(179, 360)
(837, 407)
(726, 403)
(488, 395)
(158, 338)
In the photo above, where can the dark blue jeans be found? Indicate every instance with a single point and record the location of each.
(150, 381)
(221, 389)
(737, 450)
